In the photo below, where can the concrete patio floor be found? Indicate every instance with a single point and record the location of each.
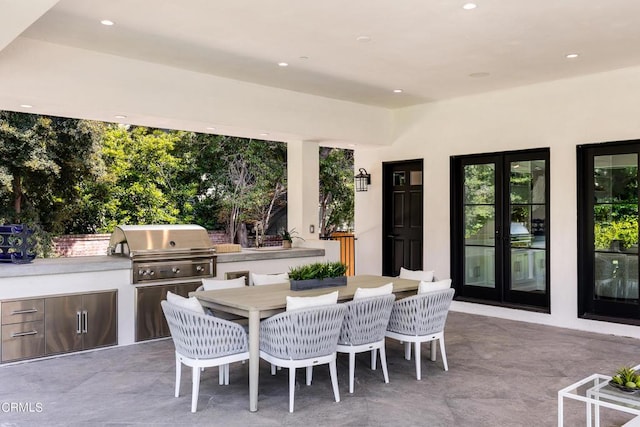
(501, 373)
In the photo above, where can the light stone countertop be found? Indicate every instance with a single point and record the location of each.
(276, 252)
(50, 266)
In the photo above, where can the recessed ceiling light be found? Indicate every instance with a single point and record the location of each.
(363, 39)
(264, 134)
(107, 22)
(210, 128)
(120, 116)
(572, 55)
(283, 64)
(397, 91)
(469, 6)
(26, 105)
(479, 75)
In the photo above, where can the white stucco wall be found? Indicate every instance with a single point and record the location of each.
(559, 115)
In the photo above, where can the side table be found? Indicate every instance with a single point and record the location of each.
(596, 392)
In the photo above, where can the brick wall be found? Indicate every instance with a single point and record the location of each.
(74, 245)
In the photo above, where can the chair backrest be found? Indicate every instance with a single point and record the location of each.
(366, 320)
(304, 333)
(201, 336)
(269, 279)
(421, 314)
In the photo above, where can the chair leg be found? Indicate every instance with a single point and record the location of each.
(309, 374)
(418, 367)
(433, 350)
(334, 379)
(352, 370)
(383, 362)
(226, 374)
(195, 389)
(292, 387)
(374, 358)
(221, 375)
(178, 376)
(407, 351)
(273, 369)
(443, 353)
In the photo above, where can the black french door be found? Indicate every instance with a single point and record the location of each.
(608, 231)
(500, 228)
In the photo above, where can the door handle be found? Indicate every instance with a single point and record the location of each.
(28, 310)
(78, 323)
(85, 321)
(23, 334)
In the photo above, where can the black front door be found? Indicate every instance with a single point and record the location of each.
(402, 216)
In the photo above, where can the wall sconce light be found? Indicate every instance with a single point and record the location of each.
(363, 180)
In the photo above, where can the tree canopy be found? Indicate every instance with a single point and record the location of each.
(69, 176)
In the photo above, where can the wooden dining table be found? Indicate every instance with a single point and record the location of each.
(260, 302)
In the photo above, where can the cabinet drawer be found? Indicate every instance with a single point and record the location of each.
(22, 341)
(28, 310)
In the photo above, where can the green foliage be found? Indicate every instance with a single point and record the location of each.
(336, 190)
(45, 161)
(250, 183)
(66, 176)
(140, 179)
(625, 231)
(289, 235)
(318, 270)
(626, 376)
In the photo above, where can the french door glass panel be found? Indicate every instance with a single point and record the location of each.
(479, 221)
(527, 195)
(615, 227)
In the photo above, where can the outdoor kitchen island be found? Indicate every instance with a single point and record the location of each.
(26, 289)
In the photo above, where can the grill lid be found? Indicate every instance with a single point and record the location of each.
(132, 240)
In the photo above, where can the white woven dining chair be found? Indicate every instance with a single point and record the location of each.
(421, 318)
(363, 329)
(303, 338)
(203, 341)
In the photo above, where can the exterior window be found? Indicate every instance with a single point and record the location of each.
(608, 231)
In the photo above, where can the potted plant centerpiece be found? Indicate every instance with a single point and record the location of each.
(318, 275)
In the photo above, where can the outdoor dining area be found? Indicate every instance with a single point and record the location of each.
(311, 330)
(501, 373)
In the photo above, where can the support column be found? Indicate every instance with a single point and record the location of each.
(303, 188)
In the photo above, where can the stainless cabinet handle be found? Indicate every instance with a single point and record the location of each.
(85, 321)
(28, 310)
(78, 323)
(23, 334)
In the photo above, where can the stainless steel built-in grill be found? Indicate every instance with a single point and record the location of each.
(164, 252)
(163, 258)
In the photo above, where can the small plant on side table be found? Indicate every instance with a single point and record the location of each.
(627, 378)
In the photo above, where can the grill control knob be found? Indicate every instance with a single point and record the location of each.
(141, 272)
(151, 272)
(199, 268)
(176, 270)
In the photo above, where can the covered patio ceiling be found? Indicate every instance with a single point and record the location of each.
(213, 66)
